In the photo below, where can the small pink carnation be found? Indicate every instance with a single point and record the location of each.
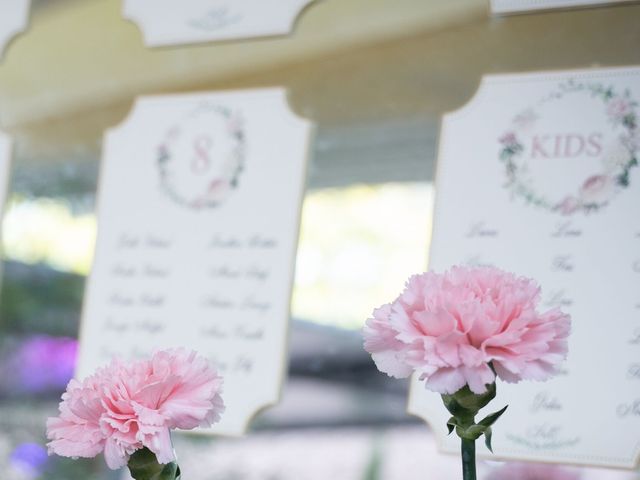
(532, 471)
(125, 407)
(452, 328)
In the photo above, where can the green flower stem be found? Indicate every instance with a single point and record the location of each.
(144, 465)
(468, 459)
(464, 405)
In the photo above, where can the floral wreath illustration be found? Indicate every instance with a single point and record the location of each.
(221, 182)
(596, 192)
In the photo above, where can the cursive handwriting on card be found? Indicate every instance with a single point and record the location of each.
(566, 229)
(480, 230)
(544, 401)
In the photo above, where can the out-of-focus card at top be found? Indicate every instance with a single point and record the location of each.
(14, 17)
(506, 7)
(168, 22)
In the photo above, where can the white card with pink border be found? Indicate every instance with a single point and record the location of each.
(14, 17)
(168, 22)
(198, 216)
(503, 7)
(538, 174)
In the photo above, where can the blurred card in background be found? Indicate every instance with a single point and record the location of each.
(14, 16)
(166, 22)
(523, 6)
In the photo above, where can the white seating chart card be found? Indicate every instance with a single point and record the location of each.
(199, 203)
(522, 6)
(168, 22)
(14, 16)
(538, 174)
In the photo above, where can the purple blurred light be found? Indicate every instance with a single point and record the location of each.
(29, 459)
(42, 363)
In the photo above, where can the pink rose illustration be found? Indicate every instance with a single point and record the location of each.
(508, 138)
(525, 120)
(597, 189)
(568, 206)
(618, 108)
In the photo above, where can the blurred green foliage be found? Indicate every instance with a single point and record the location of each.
(36, 298)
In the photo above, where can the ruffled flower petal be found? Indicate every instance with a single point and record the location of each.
(125, 407)
(448, 328)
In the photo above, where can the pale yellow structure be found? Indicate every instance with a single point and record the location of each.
(79, 66)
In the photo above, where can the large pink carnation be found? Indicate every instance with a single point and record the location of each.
(125, 407)
(451, 328)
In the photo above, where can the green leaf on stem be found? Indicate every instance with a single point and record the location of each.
(473, 432)
(487, 439)
(464, 404)
(491, 419)
(451, 425)
(144, 465)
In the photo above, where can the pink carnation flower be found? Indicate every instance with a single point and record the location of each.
(125, 407)
(451, 329)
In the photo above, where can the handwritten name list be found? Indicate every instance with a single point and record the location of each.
(547, 184)
(166, 22)
(198, 222)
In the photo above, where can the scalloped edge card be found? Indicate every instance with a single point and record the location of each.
(14, 18)
(539, 174)
(505, 7)
(198, 211)
(167, 22)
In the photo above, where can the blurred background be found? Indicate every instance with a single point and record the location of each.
(375, 76)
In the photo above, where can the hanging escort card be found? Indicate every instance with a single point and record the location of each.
(539, 175)
(522, 6)
(199, 203)
(167, 22)
(14, 16)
